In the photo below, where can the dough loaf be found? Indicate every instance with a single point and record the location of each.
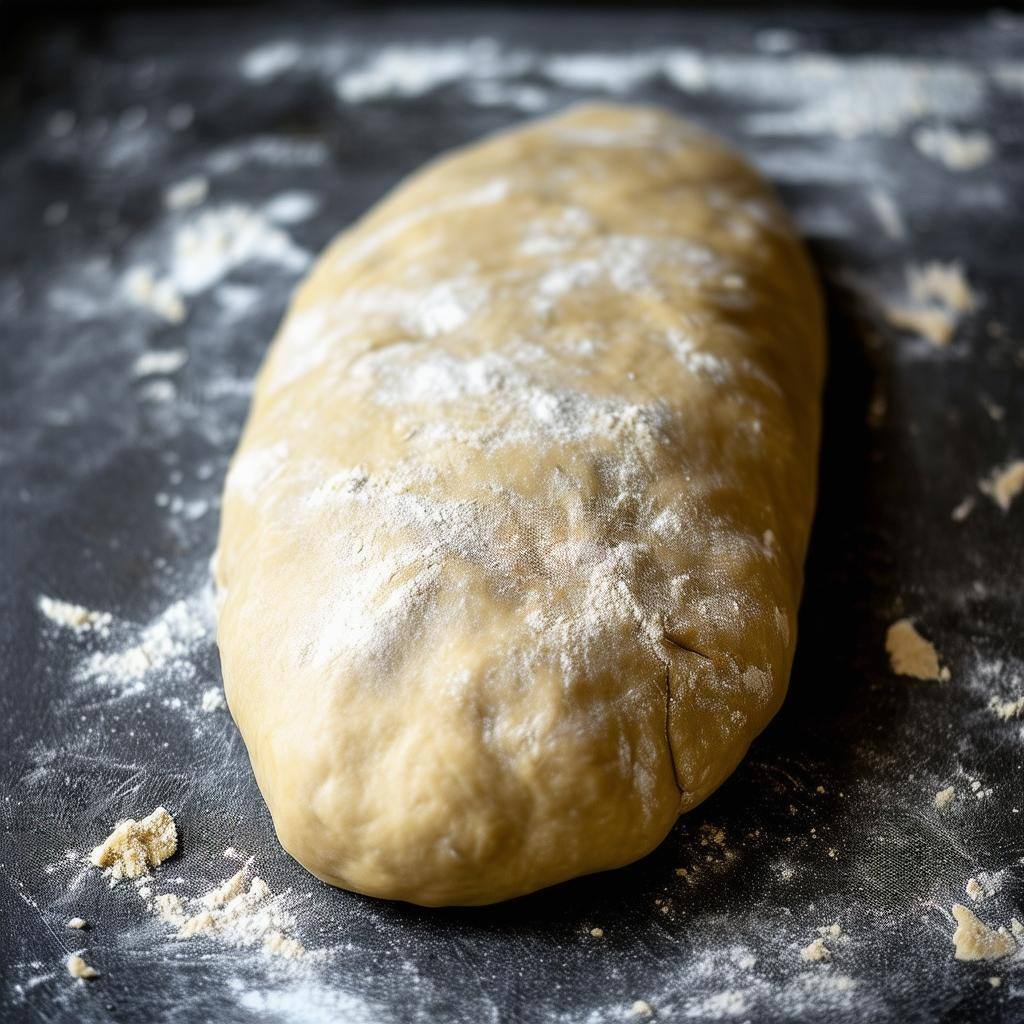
(512, 546)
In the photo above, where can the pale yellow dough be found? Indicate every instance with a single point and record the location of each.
(512, 546)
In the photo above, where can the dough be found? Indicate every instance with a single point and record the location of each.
(512, 546)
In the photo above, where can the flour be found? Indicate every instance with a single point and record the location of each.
(268, 61)
(167, 643)
(160, 295)
(154, 363)
(955, 150)
(291, 207)
(208, 248)
(241, 911)
(189, 192)
(213, 699)
(74, 616)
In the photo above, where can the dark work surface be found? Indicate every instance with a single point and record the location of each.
(110, 474)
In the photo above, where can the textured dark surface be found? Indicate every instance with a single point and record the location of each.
(109, 482)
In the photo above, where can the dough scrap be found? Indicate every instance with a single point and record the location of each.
(974, 940)
(910, 654)
(512, 546)
(136, 846)
(78, 968)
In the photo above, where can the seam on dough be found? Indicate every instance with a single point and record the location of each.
(668, 729)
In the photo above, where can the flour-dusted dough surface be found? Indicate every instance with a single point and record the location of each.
(512, 545)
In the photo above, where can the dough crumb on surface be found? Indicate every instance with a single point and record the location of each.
(1002, 485)
(77, 922)
(598, 933)
(78, 968)
(910, 654)
(640, 1008)
(974, 889)
(159, 295)
(974, 940)
(136, 846)
(995, 982)
(944, 798)
(963, 510)
(831, 931)
(74, 616)
(938, 297)
(816, 951)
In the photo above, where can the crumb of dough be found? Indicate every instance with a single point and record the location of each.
(598, 933)
(640, 1008)
(938, 298)
(974, 889)
(995, 982)
(816, 951)
(1002, 485)
(213, 699)
(78, 968)
(136, 846)
(974, 940)
(159, 295)
(1007, 709)
(963, 510)
(910, 654)
(944, 798)
(831, 931)
(74, 616)
(77, 922)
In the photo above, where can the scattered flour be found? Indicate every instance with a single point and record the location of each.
(213, 699)
(152, 363)
(241, 911)
(74, 616)
(160, 295)
(208, 248)
(955, 150)
(190, 192)
(1007, 709)
(165, 643)
(291, 207)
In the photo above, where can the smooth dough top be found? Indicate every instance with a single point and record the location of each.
(512, 546)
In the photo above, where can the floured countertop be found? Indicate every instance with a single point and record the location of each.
(167, 180)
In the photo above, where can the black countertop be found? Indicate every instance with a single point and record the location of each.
(112, 460)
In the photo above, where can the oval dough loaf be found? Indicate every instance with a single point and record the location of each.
(512, 545)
